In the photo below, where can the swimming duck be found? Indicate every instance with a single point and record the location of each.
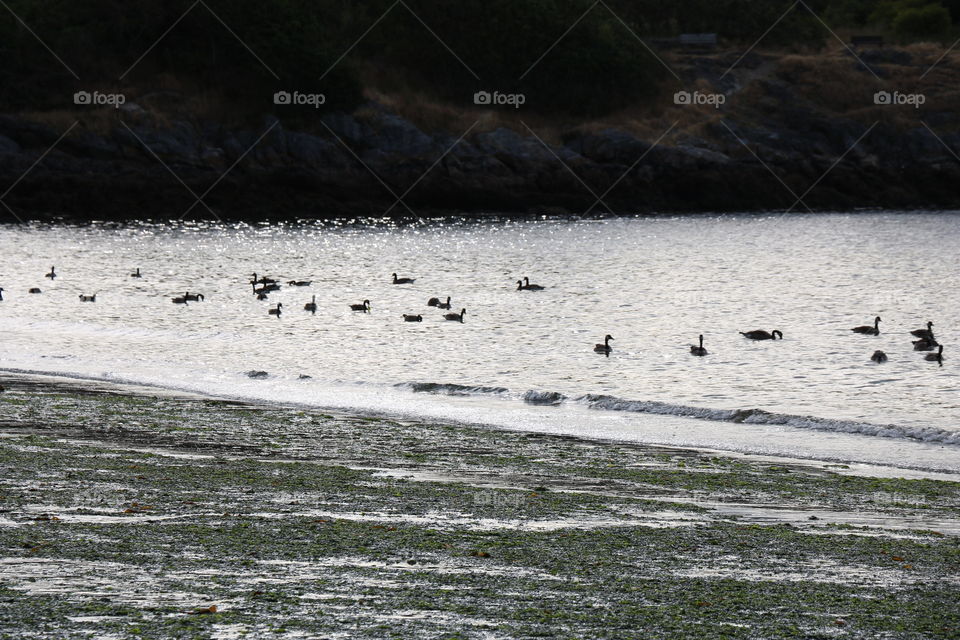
(925, 344)
(873, 331)
(698, 351)
(935, 357)
(276, 311)
(759, 334)
(605, 347)
(397, 280)
(52, 274)
(412, 318)
(312, 305)
(136, 274)
(879, 356)
(455, 316)
(924, 333)
(363, 306)
(84, 298)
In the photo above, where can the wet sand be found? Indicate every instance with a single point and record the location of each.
(125, 512)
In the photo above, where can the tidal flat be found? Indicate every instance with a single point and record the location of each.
(135, 513)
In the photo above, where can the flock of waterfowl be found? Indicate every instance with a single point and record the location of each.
(926, 341)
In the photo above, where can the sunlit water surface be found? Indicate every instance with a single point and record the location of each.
(654, 284)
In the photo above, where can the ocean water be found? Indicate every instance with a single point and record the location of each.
(524, 359)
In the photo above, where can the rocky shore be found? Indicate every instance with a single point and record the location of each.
(772, 142)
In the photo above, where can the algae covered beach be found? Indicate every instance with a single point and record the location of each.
(132, 513)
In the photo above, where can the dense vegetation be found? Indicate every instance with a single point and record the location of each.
(598, 66)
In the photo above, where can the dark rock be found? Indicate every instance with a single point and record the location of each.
(8, 146)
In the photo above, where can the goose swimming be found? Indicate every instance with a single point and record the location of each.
(458, 317)
(263, 280)
(32, 290)
(276, 311)
(867, 329)
(935, 357)
(136, 274)
(52, 274)
(300, 283)
(84, 298)
(605, 347)
(397, 280)
(412, 318)
(759, 334)
(1, 294)
(698, 351)
(363, 306)
(925, 344)
(924, 333)
(879, 356)
(444, 305)
(531, 287)
(193, 297)
(312, 305)
(180, 300)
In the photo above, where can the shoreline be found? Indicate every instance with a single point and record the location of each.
(152, 516)
(79, 383)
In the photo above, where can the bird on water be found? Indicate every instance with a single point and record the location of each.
(605, 347)
(867, 329)
(759, 334)
(698, 351)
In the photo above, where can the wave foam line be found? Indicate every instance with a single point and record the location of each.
(746, 416)
(759, 416)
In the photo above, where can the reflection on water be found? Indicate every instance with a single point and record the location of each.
(654, 284)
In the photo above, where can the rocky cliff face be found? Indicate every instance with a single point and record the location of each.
(770, 147)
